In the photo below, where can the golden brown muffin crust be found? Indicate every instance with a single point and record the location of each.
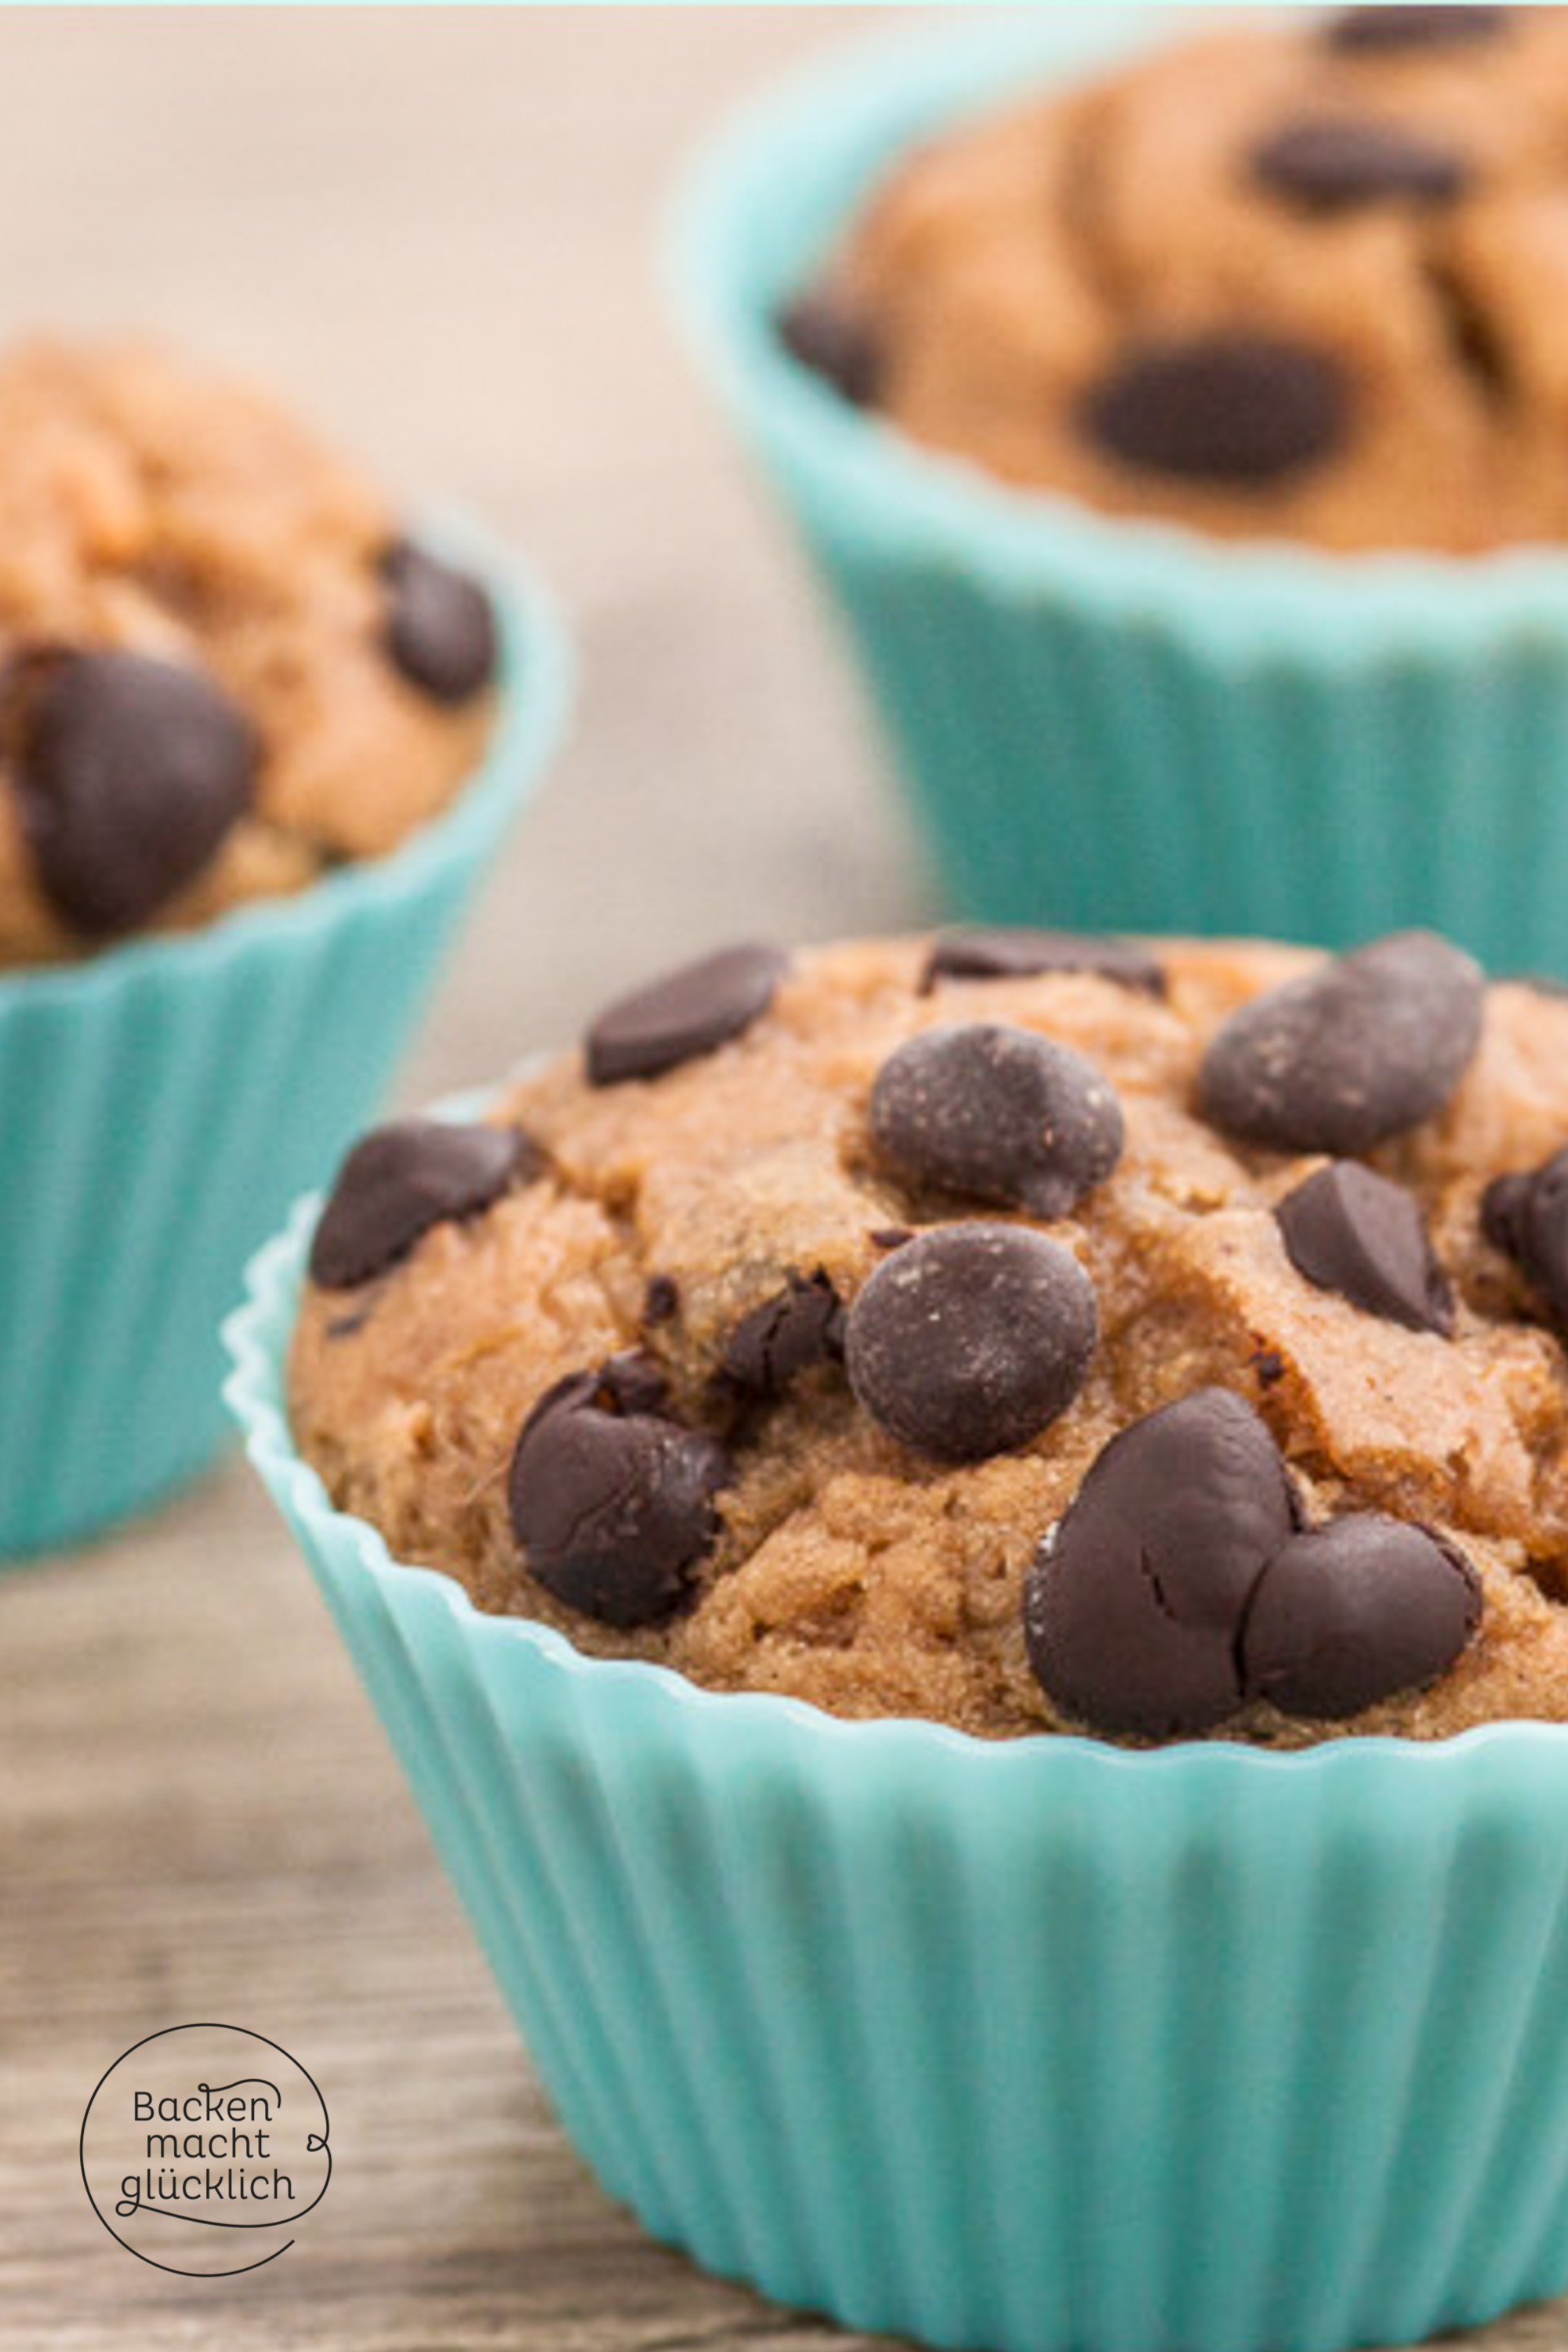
(849, 1571)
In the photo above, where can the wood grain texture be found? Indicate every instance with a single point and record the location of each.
(435, 230)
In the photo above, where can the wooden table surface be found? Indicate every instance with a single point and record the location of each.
(437, 231)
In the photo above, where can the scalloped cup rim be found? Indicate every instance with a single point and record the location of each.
(533, 694)
(250, 1392)
(854, 110)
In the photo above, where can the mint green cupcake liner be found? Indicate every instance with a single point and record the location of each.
(1034, 2047)
(161, 1106)
(1112, 723)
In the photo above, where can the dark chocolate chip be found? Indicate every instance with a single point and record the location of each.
(1269, 1366)
(972, 1337)
(1350, 1613)
(799, 1328)
(998, 1113)
(130, 773)
(891, 1237)
(1503, 1207)
(685, 1013)
(1352, 1232)
(1023, 955)
(399, 1181)
(834, 342)
(1332, 163)
(1526, 1217)
(660, 1299)
(440, 624)
(1358, 31)
(1133, 1602)
(1361, 1049)
(1228, 407)
(611, 1500)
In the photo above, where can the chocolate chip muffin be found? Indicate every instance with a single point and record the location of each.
(1018, 1330)
(225, 666)
(1302, 278)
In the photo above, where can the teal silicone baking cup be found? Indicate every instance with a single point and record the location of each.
(1036, 2046)
(1112, 723)
(162, 1105)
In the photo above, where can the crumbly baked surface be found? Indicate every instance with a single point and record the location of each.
(649, 1216)
(1305, 279)
(149, 510)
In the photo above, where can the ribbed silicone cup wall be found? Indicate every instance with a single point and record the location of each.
(162, 1105)
(1106, 723)
(1036, 2046)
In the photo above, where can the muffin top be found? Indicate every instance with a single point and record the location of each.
(1020, 1331)
(223, 666)
(1308, 279)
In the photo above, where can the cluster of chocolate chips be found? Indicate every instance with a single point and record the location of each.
(612, 1494)
(972, 1337)
(1181, 1586)
(131, 770)
(969, 1339)
(611, 1497)
(1323, 1622)
(1360, 1050)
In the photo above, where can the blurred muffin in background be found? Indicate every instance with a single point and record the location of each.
(1302, 278)
(259, 746)
(225, 668)
(1178, 419)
